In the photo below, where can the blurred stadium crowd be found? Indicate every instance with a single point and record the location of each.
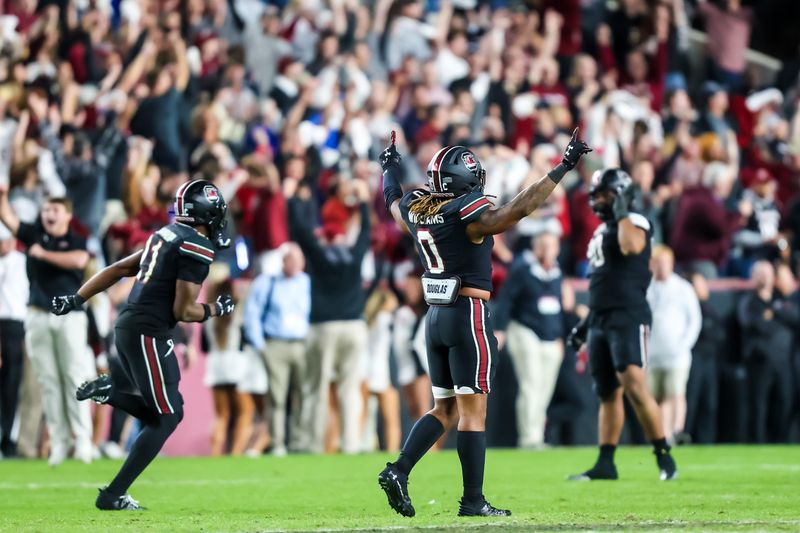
(285, 105)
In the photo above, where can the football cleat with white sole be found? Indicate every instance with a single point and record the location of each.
(668, 470)
(98, 390)
(480, 508)
(395, 484)
(109, 502)
(600, 471)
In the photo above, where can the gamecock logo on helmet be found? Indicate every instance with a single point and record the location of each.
(470, 161)
(212, 195)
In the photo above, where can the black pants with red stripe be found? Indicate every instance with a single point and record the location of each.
(462, 349)
(145, 378)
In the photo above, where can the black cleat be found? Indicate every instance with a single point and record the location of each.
(480, 508)
(668, 470)
(395, 484)
(98, 390)
(600, 471)
(109, 502)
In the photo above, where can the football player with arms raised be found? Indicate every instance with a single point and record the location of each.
(169, 272)
(452, 223)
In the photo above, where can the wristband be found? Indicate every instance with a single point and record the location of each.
(79, 300)
(206, 312)
(558, 173)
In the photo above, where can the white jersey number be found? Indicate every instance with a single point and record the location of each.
(430, 251)
(595, 250)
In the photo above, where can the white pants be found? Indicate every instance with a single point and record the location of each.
(335, 350)
(536, 364)
(666, 383)
(61, 360)
(286, 367)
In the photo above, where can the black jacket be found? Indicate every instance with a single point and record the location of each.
(767, 327)
(336, 285)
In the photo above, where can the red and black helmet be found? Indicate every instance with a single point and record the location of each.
(454, 171)
(199, 203)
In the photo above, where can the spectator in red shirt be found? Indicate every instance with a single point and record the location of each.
(703, 226)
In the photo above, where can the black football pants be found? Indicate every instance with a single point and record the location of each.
(145, 377)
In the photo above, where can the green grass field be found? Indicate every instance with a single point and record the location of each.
(720, 488)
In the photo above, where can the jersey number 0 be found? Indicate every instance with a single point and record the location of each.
(430, 251)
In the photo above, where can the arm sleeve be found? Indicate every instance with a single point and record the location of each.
(472, 206)
(301, 231)
(364, 234)
(254, 308)
(27, 233)
(392, 191)
(192, 270)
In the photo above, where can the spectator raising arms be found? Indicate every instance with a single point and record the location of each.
(57, 346)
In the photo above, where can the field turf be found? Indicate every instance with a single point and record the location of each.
(720, 489)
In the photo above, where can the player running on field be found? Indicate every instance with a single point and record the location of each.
(453, 223)
(618, 324)
(169, 272)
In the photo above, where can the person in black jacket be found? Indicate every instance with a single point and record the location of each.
(338, 335)
(768, 321)
(702, 391)
(530, 309)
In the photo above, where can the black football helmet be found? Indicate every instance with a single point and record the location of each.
(199, 203)
(454, 171)
(617, 182)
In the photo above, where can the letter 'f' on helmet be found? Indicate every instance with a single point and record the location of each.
(199, 203)
(455, 170)
(614, 180)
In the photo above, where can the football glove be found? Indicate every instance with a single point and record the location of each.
(619, 205)
(390, 156)
(225, 305)
(577, 337)
(575, 149)
(61, 305)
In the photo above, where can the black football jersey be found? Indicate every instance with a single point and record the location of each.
(619, 281)
(174, 252)
(442, 242)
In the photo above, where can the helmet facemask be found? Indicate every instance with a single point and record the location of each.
(217, 229)
(602, 209)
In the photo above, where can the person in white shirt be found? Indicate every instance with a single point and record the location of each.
(13, 308)
(676, 326)
(379, 313)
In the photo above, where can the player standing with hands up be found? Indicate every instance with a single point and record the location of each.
(169, 273)
(452, 222)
